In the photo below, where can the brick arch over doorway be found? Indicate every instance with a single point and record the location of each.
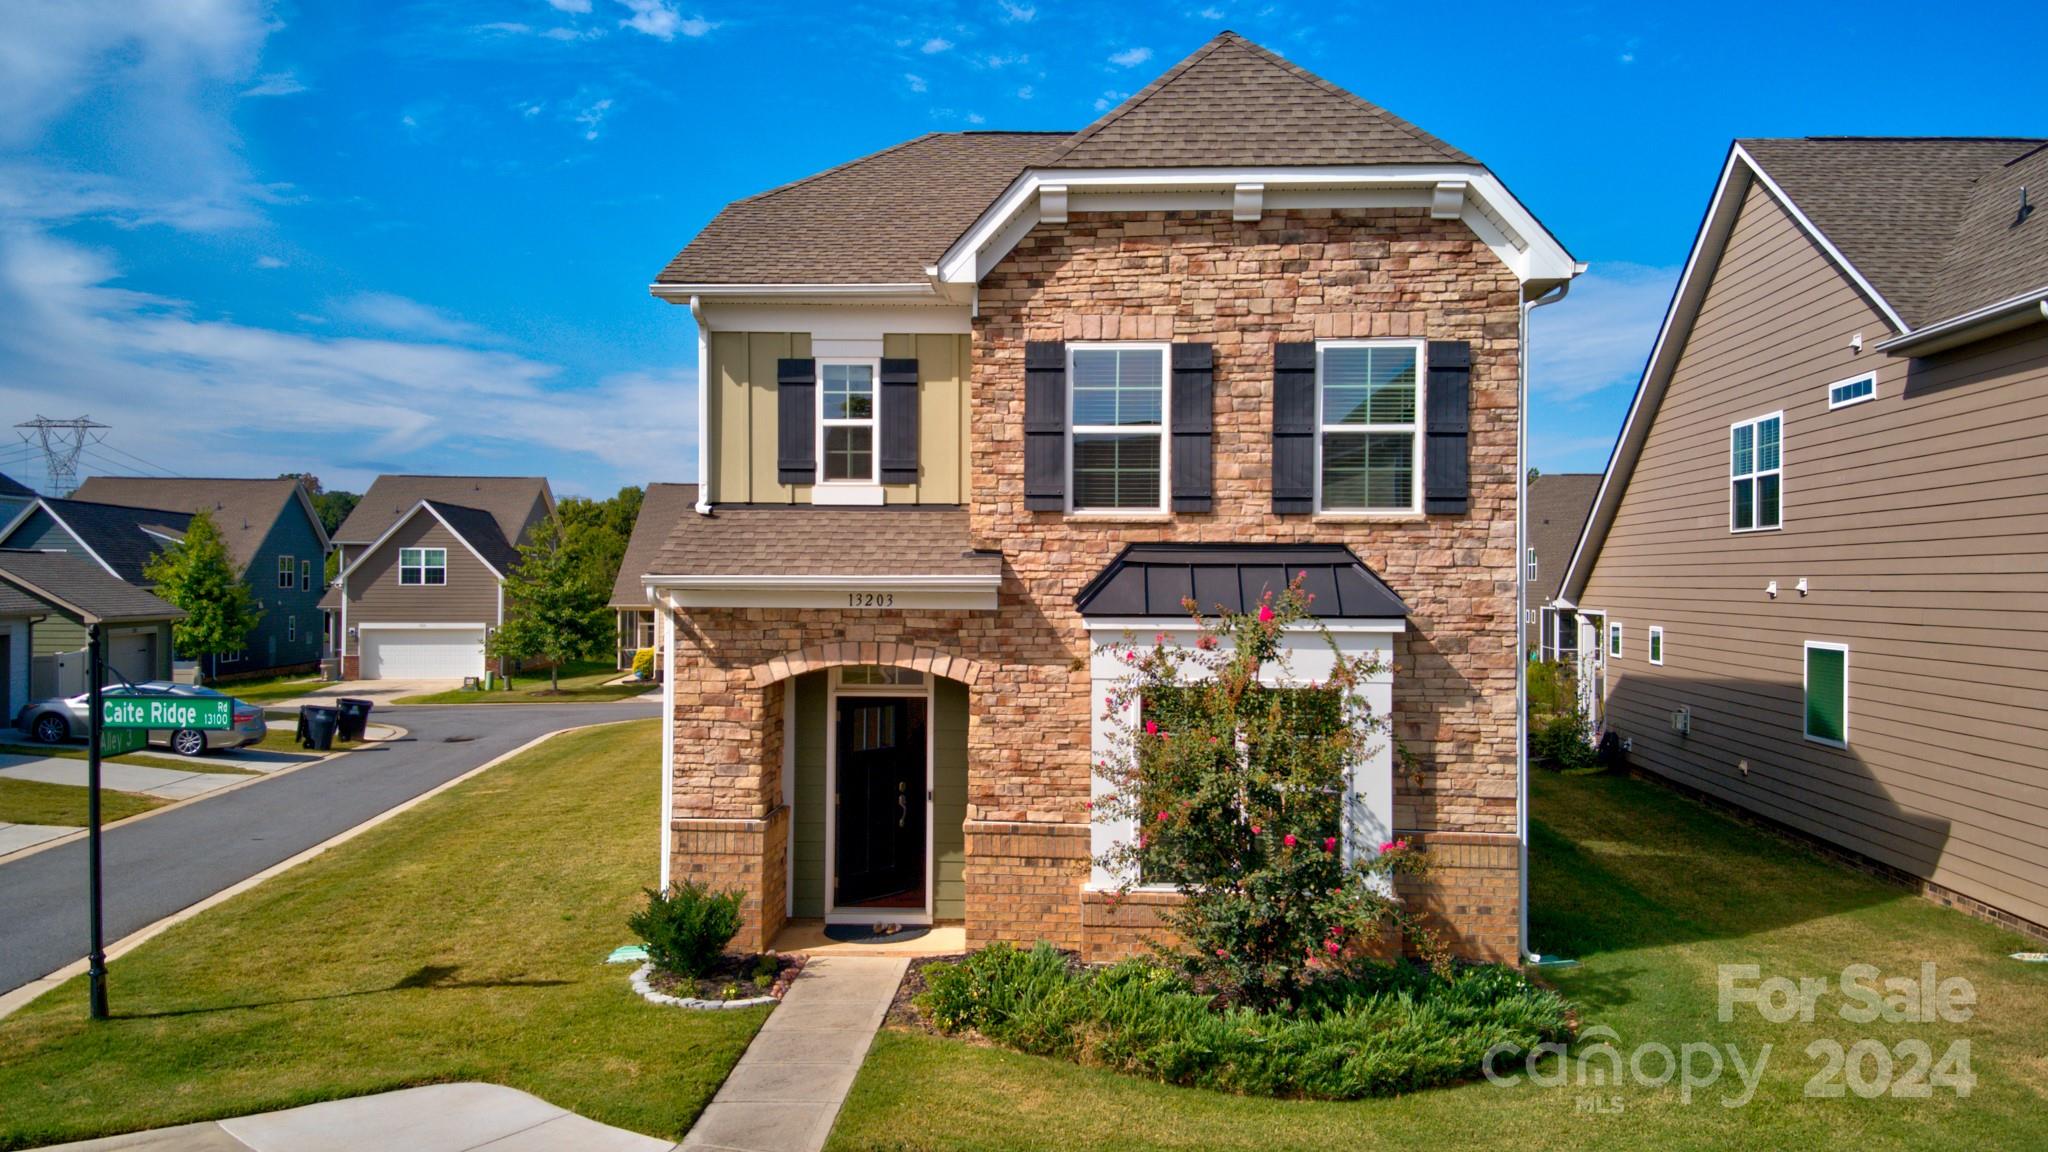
(927, 660)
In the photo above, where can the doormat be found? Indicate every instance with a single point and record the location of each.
(874, 933)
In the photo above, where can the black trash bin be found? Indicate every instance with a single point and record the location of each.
(355, 717)
(317, 725)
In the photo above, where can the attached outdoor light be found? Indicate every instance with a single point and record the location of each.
(1801, 586)
(351, 633)
(1771, 589)
(1856, 342)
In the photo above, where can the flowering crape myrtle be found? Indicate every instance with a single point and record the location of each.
(1235, 784)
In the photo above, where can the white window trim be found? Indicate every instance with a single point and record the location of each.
(928, 692)
(291, 629)
(1654, 646)
(1832, 405)
(1161, 429)
(873, 423)
(287, 572)
(1415, 428)
(1728, 450)
(1616, 641)
(1804, 689)
(423, 567)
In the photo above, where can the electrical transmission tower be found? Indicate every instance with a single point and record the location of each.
(61, 442)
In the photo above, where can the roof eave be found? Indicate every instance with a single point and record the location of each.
(2014, 312)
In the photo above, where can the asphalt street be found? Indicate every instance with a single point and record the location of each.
(156, 866)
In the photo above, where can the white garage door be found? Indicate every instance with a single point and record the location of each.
(422, 653)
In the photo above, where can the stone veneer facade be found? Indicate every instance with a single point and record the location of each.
(1242, 287)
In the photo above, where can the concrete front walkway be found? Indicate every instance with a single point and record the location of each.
(437, 1118)
(165, 783)
(15, 837)
(785, 1093)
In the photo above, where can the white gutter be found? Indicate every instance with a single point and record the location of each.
(703, 405)
(973, 583)
(679, 292)
(1522, 607)
(2030, 307)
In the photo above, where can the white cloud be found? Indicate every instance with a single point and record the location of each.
(573, 34)
(1210, 13)
(1024, 93)
(1015, 13)
(1002, 60)
(569, 5)
(936, 45)
(1110, 98)
(659, 19)
(1131, 57)
(915, 81)
(1628, 57)
(1598, 336)
(592, 115)
(269, 262)
(506, 28)
(976, 118)
(390, 313)
(275, 84)
(359, 404)
(696, 26)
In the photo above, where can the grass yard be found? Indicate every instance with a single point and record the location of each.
(157, 759)
(34, 802)
(273, 689)
(580, 680)
(1652, 893)
(459, 941)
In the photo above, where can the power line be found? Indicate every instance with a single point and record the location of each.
(61, 441)
(121, 467)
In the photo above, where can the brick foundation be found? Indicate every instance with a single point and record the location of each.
(1024, 882)
(1471, 895)
(750, 855)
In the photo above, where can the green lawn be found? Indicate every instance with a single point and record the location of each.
(159, 758)
(273, 689)
(579, 680)
(459, 941)
(34, 802)
(1652, 893)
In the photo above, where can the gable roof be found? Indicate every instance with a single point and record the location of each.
(1232, 103)
(244, 510)
(1558, 503)
(506, 499)
(78, 588)
(660, 509)
(123, 540)
(480, 531)
(9, 486)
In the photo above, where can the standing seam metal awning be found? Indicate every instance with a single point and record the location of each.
(1155, 579)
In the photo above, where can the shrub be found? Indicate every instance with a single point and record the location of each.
(1563, 743)
(1552, 689)
(643, 663)
(687, 927)
(1385, 1028)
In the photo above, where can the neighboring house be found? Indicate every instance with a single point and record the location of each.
(275, 540)
(982, 401)
(423, 564)
(121, 541)
(1557, 514)
(660, 508)
(14, 496)
(1817, 560)
(40, 590)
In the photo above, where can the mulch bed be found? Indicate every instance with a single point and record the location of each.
(730, 973)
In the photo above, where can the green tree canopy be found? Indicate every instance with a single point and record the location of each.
(553, 611)
(197, 575)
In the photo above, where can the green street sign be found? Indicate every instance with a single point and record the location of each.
(121, 741)
(162, 712)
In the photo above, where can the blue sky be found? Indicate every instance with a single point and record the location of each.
(353, 238)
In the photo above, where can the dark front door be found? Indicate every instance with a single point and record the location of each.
(878, 840)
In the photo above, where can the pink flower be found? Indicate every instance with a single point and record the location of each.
(1160, 639)
(1088, 804)
(1386, 846)
(1206, 643)
(1265, 613)
(1255, 829)
(1224, 952)
(1288, 839)
(1332, 947)
(1162, 817)
(1329, 843)
(1400, 845)
(1151, 727)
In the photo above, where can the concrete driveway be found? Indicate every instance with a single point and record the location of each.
(379, 692)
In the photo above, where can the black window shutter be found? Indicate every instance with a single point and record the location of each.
(899, 421)
(796, 409)
(1045, 425)
(1446, 481)
(1193, 427)
(1294, 428)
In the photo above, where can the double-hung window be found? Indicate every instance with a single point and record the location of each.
(846, 421)
(1614, 640)
(287, 574)
(1657, 645)
(1756, 462)
(1369, 432)
(1118, 450)
(422, 565)
(305, 575)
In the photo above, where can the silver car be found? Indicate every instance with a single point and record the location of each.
(63, 718)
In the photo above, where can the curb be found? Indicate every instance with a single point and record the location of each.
(28, 993)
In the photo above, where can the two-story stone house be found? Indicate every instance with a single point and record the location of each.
(982, 401)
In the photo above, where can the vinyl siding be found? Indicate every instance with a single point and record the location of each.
(1919, 520)
(376, 597)
(269, 643)
(743, 412)
(808, 807)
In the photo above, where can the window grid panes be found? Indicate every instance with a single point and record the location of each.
(305, 575)
(1656, 645)
(424, 566)
(1614, 640)
(865, 674)
(1368, 401)
(846, 398)
(1119, 430)
(1851, 391)
(285, 579)
(1756, 474)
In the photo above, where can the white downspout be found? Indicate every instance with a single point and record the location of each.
(668, 734)
(703, 410)
(1522, 607)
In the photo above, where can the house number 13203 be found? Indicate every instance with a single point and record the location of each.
(870, 599)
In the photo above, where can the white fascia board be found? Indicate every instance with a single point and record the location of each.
(1531, 251)
(401, 522)
(909, 293)
(409, 626)
(2029, 307)
(788, 581)
(885, 593)
(1891, 314)
(1176, 626)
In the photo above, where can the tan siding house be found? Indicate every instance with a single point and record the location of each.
(1908, 553)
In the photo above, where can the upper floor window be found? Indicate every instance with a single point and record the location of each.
(846, 421)
(305, 575)
(1369, 435)
(1756, 460)
(422, 565)
(1118, 422)
(1853, 391)
(287, 573)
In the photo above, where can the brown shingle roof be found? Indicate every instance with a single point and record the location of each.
(663, 505)
(800, 540)
(75, 586)
(506, 499)
(243, 510)
(1558, 505)
(880, 219)
(1924, 219)
(1234, 103)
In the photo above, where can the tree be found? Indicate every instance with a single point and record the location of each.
(1237, 791)
(196, 575)
(552, 610)
(1533, 474)
(595, 533)
(331, 507)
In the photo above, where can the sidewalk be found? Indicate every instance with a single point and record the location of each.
(436, 1118)
(163, 783)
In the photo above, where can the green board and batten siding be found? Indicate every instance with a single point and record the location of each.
(809, 806)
